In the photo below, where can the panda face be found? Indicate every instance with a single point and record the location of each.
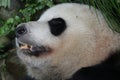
(56, 27)
(66, 38)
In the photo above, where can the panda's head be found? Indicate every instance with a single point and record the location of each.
(66, 38)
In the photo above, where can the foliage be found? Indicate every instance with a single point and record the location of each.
(33, 6)
(9, 25)
(5, 3)
(111, 13)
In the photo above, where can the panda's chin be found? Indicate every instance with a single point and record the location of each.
(33, 50)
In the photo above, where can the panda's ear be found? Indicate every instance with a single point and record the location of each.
(57, 26)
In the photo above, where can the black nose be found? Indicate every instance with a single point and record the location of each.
(21, 30)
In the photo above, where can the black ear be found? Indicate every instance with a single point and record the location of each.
(57, 26)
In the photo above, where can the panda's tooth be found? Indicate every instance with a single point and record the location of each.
(31, 48)
(16, 42)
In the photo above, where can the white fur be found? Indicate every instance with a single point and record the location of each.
(86, 41)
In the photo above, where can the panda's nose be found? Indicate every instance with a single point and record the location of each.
(21, 30)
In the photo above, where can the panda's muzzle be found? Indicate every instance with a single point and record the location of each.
(27, 48)
(33, 50)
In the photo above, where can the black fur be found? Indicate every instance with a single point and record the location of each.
(107, 70)
(57, 26)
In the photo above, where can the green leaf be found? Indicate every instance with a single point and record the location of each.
(17, 18)
(10, 20)
(49, 3)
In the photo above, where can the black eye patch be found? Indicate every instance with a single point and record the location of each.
(57, 26)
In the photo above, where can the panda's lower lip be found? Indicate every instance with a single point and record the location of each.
(34, 50)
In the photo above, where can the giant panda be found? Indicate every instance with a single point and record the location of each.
(70, 41)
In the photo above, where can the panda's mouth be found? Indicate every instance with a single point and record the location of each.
(33, 50)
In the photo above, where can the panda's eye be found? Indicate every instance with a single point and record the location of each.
(57, 26)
